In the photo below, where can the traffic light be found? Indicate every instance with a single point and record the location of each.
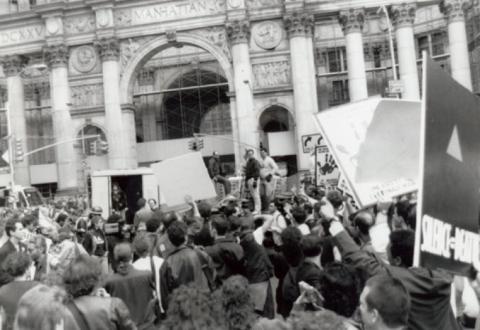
(93, 147)
(195, 144)
(18, 150)
(192, 145)
(103, 146)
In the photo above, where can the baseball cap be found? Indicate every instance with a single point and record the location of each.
(96, 210)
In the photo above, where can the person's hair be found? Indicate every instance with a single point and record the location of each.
(81, 224)
(11, 225)
(43, 308)
(153, 224)
(28, 220)
(141, 202)
(205, 209)
(81, 276)
(341, 286)
(177, 232)
(141, 246)
(237, 303)
(402, 245)
(363, 221)
(114, 218)
(299, 214)
(291, 246)
(321, 320)
(62, 218)
(169, 218)
(122, 252)
(335, 198)
(16, 264)
(390, 298)
(191, 308)
(220, 224)
(311, 245)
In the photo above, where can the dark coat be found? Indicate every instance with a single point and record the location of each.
(429, 290)
(135, 288)
(227, 257)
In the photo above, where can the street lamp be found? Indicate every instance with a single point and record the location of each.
(390, 37)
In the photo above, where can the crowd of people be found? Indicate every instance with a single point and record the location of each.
(307, 261)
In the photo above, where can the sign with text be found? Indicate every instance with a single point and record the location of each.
(327, 172)
(183, 175)
(448, 204)
(375, 144)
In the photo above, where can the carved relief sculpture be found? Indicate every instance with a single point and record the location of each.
(87, 95)
(108, 48)
(217, 36)
(352, 20)
(56, 56)
(238, 31)
(268, 35)
(403, 15)
(54, 26)
(79, 24)
(84, 59)
(262, 3)
(271, 74)
(299, 24)
(104, 18)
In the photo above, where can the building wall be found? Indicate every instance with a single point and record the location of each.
(135, 25)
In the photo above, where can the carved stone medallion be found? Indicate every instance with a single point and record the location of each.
(268, 35)
(84, 58)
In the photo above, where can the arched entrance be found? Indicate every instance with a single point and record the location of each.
(278, 136)
(180, 93)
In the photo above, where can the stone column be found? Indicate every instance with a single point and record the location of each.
(57, 59)
(238, 33)
(119, 150)
(12, 67)
(299, 27)
(352, 25)
(128, 118)
(403, 17)
(454, 11)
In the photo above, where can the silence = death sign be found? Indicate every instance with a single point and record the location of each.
(449, 181)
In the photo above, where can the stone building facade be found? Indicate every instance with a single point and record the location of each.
(148, 75)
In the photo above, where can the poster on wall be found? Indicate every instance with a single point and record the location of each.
(449, 186)
(375, 143)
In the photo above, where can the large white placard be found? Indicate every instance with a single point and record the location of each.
(183, 175)
(375, 142)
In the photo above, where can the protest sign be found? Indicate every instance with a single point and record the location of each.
(375, 144)
(323, 166)
(182, 175)
(448, 199)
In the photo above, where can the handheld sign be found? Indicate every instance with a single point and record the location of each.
(183, 175)
(375, 144)
(448, 205)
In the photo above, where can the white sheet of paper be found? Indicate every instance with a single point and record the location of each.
(183, 175)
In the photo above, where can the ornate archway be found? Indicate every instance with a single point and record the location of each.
(157, 45)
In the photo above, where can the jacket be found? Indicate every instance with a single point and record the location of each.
(106, 313)
(181, 267)
(429, 289)
(227, 257)
(252, 169)
(135, 288)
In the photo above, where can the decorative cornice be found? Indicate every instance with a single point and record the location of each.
(128, 107)
(13, 65)
(403, 15)
(238, 31)
(56, 55)
(299, 24)
(351, 20)
(108, 48)
(454, 10)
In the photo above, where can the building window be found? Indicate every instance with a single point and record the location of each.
(434, 43)
(339, 93)
(377, 56)
(336, 59)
